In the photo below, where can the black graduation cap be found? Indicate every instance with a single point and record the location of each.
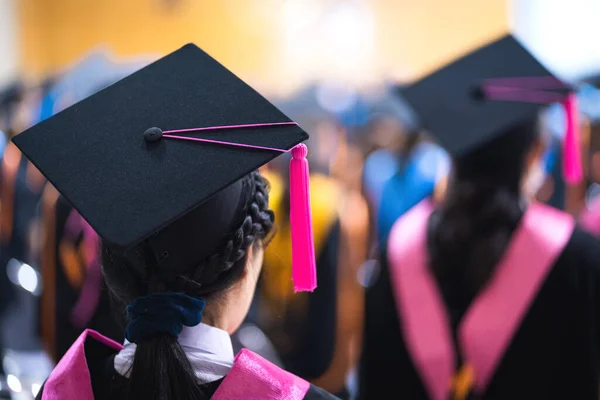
(482, 95)
(114, 157)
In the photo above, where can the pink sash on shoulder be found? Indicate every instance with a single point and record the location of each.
(254, 378)
(70, 379)
(494, 316)
(251, 378)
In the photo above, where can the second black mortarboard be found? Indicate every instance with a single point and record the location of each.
(484, 94)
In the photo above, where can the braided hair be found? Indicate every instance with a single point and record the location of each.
(161, 369)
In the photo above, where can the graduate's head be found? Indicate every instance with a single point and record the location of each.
(163, 166)
(484, 110)
(203, 267)
(213, 253)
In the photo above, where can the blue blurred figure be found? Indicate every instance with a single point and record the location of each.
(426, 166)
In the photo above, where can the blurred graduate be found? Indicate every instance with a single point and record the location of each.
(20, 190)
(589, 98)
(74, 297)
(487, 295)
(318, 336)
(405, 170)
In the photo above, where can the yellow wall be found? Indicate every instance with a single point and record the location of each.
(417, 36)
(57, 32)
(411, 36)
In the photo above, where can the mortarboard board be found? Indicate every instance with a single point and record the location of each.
(484, 94)
(129, 179)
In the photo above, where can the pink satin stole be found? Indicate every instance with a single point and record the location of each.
(494, 316)
(590, 218)
(70, 379)
(253, 378)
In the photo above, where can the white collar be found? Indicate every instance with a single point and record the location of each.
(208, 348)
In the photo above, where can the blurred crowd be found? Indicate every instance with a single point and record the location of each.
(370, 163)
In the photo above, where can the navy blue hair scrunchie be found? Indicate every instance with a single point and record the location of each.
(162, 313)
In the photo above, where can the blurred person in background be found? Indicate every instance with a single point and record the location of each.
(20, 190)
(404, 169)
(385, 138)
(317, 336)
(576, 193)
(9, 96)
(590, 216)
(590, 106)
(74, 296)
(383, 156)
(487, 294)
(575, 198)
(421, 174)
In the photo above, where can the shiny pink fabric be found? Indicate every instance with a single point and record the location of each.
(494, 316)
(254, 378)
(251, 378)
(572, 168)
(304, 265)
(70, 379)
(425, 324)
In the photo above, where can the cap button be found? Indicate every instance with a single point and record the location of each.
(153, 134)
(478, 93)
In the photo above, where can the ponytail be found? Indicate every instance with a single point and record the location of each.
(162, 371)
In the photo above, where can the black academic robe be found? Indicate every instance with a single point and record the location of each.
(555, 353)
(106, 383)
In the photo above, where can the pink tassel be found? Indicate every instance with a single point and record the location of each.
(572, 168)
(304, 268)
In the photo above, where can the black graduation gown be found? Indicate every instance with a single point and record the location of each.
(106, 381)
(553, 355)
